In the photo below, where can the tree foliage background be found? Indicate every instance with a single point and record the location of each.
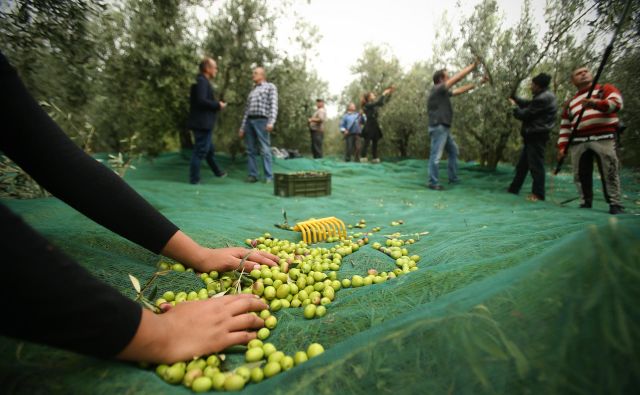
(112, 70)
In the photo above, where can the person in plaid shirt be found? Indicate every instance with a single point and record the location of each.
(260, 115)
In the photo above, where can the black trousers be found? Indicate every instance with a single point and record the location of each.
(374, 147)
(586, 176)
(531, 160)
(316, 143)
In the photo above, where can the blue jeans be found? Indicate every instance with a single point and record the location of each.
(441, 140)
(256, 138)
(203, 148)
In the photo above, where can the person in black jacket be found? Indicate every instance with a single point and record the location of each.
(203, 112)
(538, 117)
(372, 132)
(74, 310)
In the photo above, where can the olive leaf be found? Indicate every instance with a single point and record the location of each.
(135, 282)
(154, 292)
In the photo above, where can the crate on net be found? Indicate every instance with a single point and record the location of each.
(308, 183)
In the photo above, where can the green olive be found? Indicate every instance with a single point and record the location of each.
(254, 354)
(243, 372)
(309, 311)
(218, 380)
(357, 281)
(263, 333)
(197, 364)
(314, 350)
(269, 292)
(271, 369)
(234, 382)
(160, 369)
(202, 384)
(300, 357)
(271, 322)
(276, 356)
(264, 314)
(169, 296)
(321, 311)
(178, 267)
(193, 295)
(213, 360)
(209, 371)
(268, 349)
(174, 373)
(286, 363)
(257, 375)
(190, 376)
(255, 343)
(275, 305)
(346, 283)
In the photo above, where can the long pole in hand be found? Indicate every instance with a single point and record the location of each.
(607, 53)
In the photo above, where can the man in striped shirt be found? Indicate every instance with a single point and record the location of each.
(595, 137)
(260, 115)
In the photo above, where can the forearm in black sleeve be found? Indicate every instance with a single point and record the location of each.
(57, 302)
(33, 140)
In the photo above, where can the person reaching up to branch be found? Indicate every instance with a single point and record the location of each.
(372, 133)
(538, 117)
(440, 113)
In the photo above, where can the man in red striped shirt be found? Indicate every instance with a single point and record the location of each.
(595, 137)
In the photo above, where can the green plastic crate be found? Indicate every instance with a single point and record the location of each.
(302, 184)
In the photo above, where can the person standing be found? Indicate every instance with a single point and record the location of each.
(350, 127)
(259, 118)
(440, 114)
(316, 127)
(204, 108)
(595, 137)
(372, 133)
(538, 117)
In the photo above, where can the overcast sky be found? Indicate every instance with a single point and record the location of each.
(407, 27)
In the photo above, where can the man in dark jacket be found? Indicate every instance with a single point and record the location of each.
(202, 117)
(538, 117)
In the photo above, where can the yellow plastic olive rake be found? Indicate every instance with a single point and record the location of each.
(317, 230)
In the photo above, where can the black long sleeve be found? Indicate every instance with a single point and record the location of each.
(59, 302)
(35, 142)
(67, 306)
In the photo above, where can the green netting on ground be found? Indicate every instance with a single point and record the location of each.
(511, 296)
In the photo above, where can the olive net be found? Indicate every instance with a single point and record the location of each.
(511, 296)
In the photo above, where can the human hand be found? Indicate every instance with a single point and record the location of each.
(561, 153)
(222, 105)
(194, 329)
(241, 133)
(227, 259)
(269, 128)
(513, 102)
(589, 103)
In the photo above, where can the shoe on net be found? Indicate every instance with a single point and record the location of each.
(364, 160)
(616, 209)
(251, 179)
(375, 160)
(585, 205)
(435, 187)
